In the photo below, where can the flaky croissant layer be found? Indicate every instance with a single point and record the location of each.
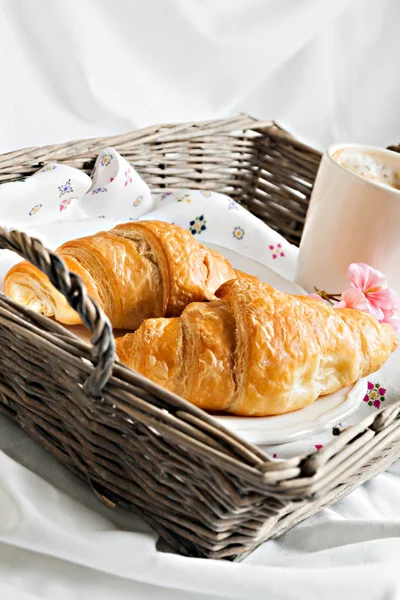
(257, 351)
(135, 271)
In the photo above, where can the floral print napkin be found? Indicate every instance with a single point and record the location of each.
(47, 195)
(57, 192)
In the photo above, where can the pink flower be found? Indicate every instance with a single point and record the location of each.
(391, 317)
(377, 403)
(352, 298)
(366, 398)
(318, 446)
(370, 293)
(370, 385)
(382, 391)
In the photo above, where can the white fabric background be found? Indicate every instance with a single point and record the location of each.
(327, 71)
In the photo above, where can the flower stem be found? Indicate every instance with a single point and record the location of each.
(331, 298)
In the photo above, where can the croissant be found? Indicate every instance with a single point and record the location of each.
(135, 271)
(257, 351)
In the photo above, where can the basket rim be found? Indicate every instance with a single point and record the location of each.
(88, 147)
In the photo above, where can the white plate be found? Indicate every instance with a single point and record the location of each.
(326, 412)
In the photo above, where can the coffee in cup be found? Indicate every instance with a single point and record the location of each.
(369, 164)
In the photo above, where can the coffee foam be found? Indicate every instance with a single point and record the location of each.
(369, 165)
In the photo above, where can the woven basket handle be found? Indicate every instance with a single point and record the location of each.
(74, 290)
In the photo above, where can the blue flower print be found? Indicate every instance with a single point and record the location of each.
(165, 195)
(66, 188)
(238, 233)
(198, 225)
(99, 190)
(106, 159)
(35, 209)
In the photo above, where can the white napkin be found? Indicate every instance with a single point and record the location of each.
(117, 190)
(58, 192)
(48, 195)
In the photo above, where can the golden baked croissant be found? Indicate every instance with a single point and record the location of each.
(257, 351)
(135, 271)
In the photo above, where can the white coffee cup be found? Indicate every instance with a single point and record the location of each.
(354, 216)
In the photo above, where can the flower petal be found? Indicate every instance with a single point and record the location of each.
(385, 298)
(364, 277)
(391, 317)
(341, 304)
(315, 297)
(354, 298)
(375, 311)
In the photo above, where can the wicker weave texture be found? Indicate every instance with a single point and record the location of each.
(257, 163)
(203, 489)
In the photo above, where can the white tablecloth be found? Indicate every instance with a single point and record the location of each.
(325, 70)
(61, 543)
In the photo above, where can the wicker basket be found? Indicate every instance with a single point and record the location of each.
(204, 490)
